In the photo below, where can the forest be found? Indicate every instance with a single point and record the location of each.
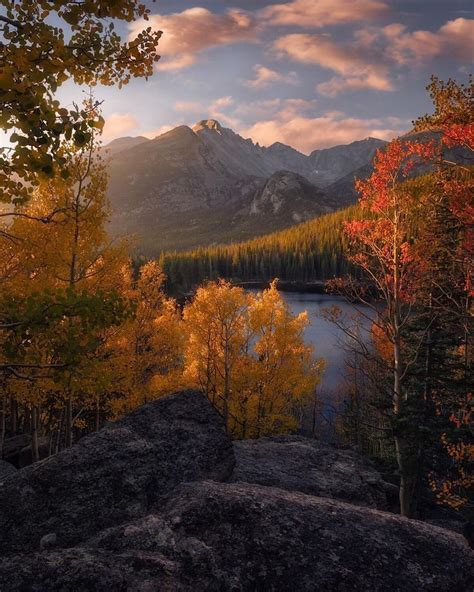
(304, 253)
(87, 336)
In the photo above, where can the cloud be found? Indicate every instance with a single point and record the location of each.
(329, 129)
(356, 66)
(158, 131)
(454, 40)
(318, 13)
(186, 34)
(265, 76)
(217, 110)
(221, 103)
(119, 124)
(372, 55)
(187, 106)
(338, 84)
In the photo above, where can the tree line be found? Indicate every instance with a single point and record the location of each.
(308, 252)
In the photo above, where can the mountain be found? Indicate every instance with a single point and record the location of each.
(343, 190)
(124, 143)
(331, 164)
(206, 184)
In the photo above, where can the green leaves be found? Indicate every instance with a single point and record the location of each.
(70, 321)
(37, 59)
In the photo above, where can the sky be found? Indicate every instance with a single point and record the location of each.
(308, 73)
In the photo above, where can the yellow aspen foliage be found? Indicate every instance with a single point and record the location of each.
(67, 271)
(145, 353)
(285, 372)
(247, 353)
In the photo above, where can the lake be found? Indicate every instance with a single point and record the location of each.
(328, 341)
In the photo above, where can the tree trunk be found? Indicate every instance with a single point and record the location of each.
(68, 422)
(3, 419)
(60, 432)
(97, 415)
(405, 493)
(14, 416)
(34, 434)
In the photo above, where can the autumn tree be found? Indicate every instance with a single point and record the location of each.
(217, 339)
(144, 356)
(247, 353)
(383, 249)
(44, 44)
(69, 278)
(448, 249)
(284, 371)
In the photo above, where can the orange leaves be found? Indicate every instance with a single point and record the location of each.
(459, 135)
(392, 165)
(382, 344)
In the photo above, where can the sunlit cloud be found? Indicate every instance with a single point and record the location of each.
(318, 13)
(218, 109)
(187, 34)
(331, 128)
(356, 67)
(119, 124)
(454, 40)
(266, 76)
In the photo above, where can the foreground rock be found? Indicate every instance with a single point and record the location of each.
(300, 464)
(6, 470)
(115, 475)
(241, 537)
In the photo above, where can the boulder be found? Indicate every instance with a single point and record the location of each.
(239, 537)
(6, 470)
(301, 464)
(116, 474)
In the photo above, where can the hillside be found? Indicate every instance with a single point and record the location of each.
(307, 252)
(204, 185)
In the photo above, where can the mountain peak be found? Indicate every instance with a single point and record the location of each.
(210, 124)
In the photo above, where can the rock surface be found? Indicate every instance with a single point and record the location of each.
(300, 464)
(13, 446)
(198, 186)
(241, 537)
(116, 474)
(144, 506)
(6, 470)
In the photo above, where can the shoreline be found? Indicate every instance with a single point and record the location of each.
(316, 287)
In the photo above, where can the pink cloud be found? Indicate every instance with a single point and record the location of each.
(266, 76)
(318, 13)
(332, 128)
(218, 110)
(119, 124)
(357, 68)
(158, 131)
(186, 34)
(454, 40)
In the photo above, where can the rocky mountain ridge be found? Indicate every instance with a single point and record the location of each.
(203, 185)
(163, 500)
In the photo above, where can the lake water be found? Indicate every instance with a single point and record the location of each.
(326, 338)
(328, 342)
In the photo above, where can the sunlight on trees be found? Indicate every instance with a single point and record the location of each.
(247, 353)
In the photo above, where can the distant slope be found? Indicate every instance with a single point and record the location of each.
(307, 252)
(124, 143)
(337, 162)
(207, 185)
